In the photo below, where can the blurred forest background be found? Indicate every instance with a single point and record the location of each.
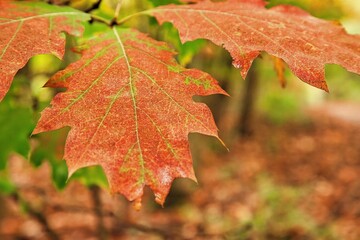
(292, 172)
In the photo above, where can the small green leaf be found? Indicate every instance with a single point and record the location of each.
(16, 124)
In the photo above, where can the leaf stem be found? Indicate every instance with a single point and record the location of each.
(117, 12)
(118, 7)
(100, 19)
(145, 12)
(114, 21)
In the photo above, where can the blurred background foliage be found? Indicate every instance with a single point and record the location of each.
(268, 101)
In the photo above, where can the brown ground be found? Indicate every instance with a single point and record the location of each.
(295, 181)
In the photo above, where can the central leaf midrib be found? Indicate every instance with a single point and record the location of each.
(133, 97)
(162, 90)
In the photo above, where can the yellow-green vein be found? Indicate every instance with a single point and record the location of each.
(126, 157)
(222, 31)
(86, 91)
(11, 39)
(61, 14)
(92, 84)
(184, 22)
(133, 97)
(170, 97)
(113, 100)
(168, 144)
(87, 63)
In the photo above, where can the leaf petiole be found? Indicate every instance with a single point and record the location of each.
(145, 12)
(117, 10)
(114, 21)
(100, 19)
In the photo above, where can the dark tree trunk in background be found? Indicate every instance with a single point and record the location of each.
(97, 203)
(248, 102)
(235, 120)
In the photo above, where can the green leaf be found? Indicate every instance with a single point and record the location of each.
(90, 176)
(50, 148)
(6, 186)
(16, 124)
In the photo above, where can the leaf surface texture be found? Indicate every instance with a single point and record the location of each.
(28, 29)
(130, 109)
(246, 27)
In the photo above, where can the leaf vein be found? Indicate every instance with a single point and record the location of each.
(133, 97)
(11, 40)
(170, 97)
(47, 15)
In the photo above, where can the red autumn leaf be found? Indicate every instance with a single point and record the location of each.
(28, 29)
(130, 109)
(246, 27)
